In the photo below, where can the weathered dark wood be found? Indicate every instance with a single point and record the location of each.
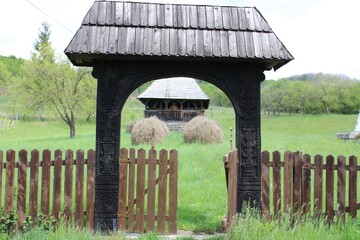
(90, 189)
(330, 187)
(21, 193)
(288, 181)
(318, 189)
(34, 184)
(150, 226)
(306, 196)
(1, 176)
(277, 183)
(162, 191)
(173, 192)
(341, 186)
(130, 225)
(57, 184)
(68, 184)
(122, 190)
(140, 191)
(10, 175)
(265, 182)
(352, 186)
(45, 182)
(79, 197)
(297, 158)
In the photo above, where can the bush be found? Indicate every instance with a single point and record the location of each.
(142, 131)
(203, 130)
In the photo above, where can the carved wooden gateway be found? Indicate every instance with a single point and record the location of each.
(129, 43)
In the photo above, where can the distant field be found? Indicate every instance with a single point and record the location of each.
(202, 192)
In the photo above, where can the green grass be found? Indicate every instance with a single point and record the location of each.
(202, 188)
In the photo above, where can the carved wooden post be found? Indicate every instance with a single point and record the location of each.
(248, 139)
(107, 152)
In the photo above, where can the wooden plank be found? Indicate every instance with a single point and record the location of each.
(185, 18)
(210, 23)
(151, 15)
(168, 15)
(69, 163)
(130, 41)
(234, 19)
(265, 43)
(224, 44)
(113, 40)
(199, 42)
(249, 19)
(148, 41)
(139, 41)
(162, 191)
(119, 13)
(140, 191)
(306, 183)
(121, 48)
(173, 192)
(257, 44)
(352, 186)
(57, 184)
(276, 183)
(226, 18)
(297, 158)
(288, 181)
(10, 175)
(341, 186)
(257, 20)
(181, 42)
(193, 16)
(156, 41)
(150, 226)
(240, 42)
(34, 184)
(90, 198)
(45, 182)
(173, 42)
(79, 197)
(233, 49)
(216, 46)
(122, 190)
(330, 187)
(21, 193)
(207, 43)
(249, 44)
(273, 45)
(318, 162)
(94, 14)
(130, 226)
(202, 17)
(1, 176)
(242, 18)
(135, 16)
(143, 14)
(265, 185)
(191, 42)
(218, 17)
(165, 42)
(101, 13)
(160, 12)
(110, 14)
(127, 13)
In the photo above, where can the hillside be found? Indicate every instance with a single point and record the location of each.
(316, 77)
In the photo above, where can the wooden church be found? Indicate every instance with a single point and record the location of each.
(174, 99)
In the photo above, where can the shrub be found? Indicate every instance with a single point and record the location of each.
(129, 127)
(203, 130)
(142, 131)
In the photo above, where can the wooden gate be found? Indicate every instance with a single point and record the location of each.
(155, 183)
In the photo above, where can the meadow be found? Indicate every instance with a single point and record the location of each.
(202, 187)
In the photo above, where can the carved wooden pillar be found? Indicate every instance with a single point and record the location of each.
(107, 152)
(248, 139)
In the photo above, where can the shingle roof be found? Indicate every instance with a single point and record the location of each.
(174, 88)
(133, 29)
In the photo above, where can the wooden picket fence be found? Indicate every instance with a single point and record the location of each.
(160, 189)
(57, 176)
(301, 174)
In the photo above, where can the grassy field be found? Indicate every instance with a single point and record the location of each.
(202, 187)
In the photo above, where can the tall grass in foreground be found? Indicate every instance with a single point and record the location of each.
(249, 225)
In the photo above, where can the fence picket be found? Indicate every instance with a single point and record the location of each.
(21, 196)
(90, 195)
(265, 182)
(140, 191)
(10, 174)
(79, 198)
(297, 159)
(173, 192)
(162, 192)
(276, 182)
(45, 182)
(318, 165)
(330, 187)
(1, 171)
(341, 186)
(150, 222)
(57, 184)
(122, 189)
(306, 196)
(288, 181)
(352, 186)
(69, 162)
(34, 184)
(130, 226)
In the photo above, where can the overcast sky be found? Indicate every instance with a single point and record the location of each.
(322, 35)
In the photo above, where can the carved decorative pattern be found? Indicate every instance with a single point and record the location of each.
(253, 198)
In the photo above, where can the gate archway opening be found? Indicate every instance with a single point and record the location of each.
(130, 43)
